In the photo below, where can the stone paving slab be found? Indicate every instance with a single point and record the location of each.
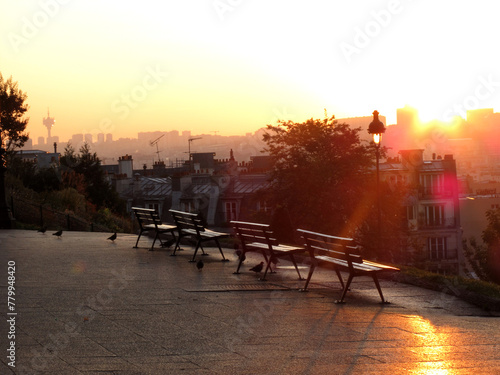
(86, 305)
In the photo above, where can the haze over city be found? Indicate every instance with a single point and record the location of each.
(232, 67)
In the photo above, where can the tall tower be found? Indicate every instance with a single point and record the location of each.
(48, 122)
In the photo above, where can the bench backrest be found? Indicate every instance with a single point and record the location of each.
(146, 216)
(187, 220)
(343, 248)
(254, 232)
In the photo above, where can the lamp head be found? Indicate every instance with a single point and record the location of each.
(376, 128)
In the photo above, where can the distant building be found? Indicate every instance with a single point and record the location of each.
(42, 159)
(473, 213)
(28, 145)
(407, 117)
(88, 138)
(76, 139)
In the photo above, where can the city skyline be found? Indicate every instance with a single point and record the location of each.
(233, 67)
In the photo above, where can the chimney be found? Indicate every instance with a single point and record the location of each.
(55, 147)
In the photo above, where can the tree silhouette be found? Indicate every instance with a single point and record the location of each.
(12, 110)
(319, 178)
(83, 172)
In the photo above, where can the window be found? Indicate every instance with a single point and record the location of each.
(410, 212)
(432, 183)
(434, 215)
(154, 206)
(437, 247)
(262, 206)
(230, 211)
(187, 206)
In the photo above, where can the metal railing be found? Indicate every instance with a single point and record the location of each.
(42, 215)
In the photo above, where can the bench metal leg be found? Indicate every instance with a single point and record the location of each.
(153, 245)
(220, 249)
(140, 233)
(375, 279)
(311, 271)
(340, 277)
(177, 245)
(241, 257)
(346, 288)
(292, 258)
(268, 265)
(202, 250)
(198, 245)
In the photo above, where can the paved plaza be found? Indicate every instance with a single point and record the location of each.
(86, 305)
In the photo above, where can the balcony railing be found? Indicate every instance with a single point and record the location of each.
(437, 224)
(424, 191)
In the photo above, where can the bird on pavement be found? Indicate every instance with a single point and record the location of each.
(112, 237)
(199, 265)
(258, 268)
(58, 233)
(42, 230)
(168, 243)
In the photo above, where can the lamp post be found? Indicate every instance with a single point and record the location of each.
(376, 129)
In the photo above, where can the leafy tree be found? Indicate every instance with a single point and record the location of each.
(485, 258)
(12, 110)
(320, 176)
(83, 172)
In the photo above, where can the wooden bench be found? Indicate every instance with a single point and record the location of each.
(190, 224)
(255, 237)
(149, 220)
(341, 253)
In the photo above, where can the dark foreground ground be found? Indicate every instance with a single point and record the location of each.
(85, 305)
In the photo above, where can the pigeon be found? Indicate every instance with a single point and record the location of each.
(258, 268)
(42, 230)
(168, 243)
(112, 237)
(58, 233)
(199, 265)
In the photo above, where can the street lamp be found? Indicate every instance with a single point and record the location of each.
(376, 129)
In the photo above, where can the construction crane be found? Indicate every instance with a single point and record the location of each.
(189, 144)
(155, 142)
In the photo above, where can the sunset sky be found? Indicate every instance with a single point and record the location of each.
(233, 66)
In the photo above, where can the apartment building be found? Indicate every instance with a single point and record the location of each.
(432, 209)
